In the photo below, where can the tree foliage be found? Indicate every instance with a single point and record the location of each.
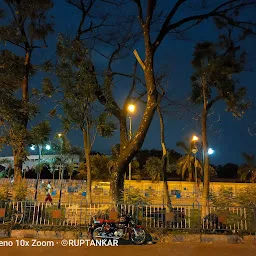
(217, 66)
(24, 28)
(247, 171)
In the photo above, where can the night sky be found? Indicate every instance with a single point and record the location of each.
(228, 136)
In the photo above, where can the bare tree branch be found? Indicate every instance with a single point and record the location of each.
(139, 59)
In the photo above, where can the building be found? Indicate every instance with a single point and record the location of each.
(33, 160)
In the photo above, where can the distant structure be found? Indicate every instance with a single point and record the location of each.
(33, 160)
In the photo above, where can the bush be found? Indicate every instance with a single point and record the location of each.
(134, 196)
(20, 191)
(246, 197)
(4, 189)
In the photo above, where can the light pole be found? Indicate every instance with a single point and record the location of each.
(62, 168)
(40, 147)
(194, 150)
(131, 109)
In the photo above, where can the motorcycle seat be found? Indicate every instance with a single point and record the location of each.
(101, 221)
(110, 221)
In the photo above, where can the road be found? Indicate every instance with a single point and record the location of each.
(176, 249)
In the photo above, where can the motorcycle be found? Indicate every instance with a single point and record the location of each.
(110, 229)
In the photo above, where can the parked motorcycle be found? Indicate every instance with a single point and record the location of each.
(109, 229)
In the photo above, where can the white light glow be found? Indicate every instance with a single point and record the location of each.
(33, 147)
(47, 147)
(210, 151)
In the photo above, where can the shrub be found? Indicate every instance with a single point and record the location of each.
(4, 189)
(20, 191)
(134, 196)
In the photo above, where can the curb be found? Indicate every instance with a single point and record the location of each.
(203, 238)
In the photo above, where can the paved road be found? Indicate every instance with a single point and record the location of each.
(176, 249)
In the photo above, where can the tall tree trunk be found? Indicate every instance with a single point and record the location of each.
(165, 159)
(117, 184)
(206, 183)
(190, 176)
(88, 165)
(25, 97)
(123, 131)
(122, 163)
(17, 166)
(18, 160)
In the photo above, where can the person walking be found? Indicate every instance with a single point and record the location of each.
(48, 193)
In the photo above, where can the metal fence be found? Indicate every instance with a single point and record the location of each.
(187, 217)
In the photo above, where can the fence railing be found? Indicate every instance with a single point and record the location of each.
(188, 217)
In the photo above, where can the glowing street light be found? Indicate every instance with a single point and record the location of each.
(195, 138)
(131, 108)
(59, 135)
(210, 151)
(47, 147)
(33, 147)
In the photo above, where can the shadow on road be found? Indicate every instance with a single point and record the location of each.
(149, 241)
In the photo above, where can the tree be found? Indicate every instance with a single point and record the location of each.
(228, 170)
(66, 154)
(25, 27)
(99, 167)
(187, 163)
(214, 80)
(165, 159)
(148, 17)
(248, 170)
(153, 168)
(78, 85)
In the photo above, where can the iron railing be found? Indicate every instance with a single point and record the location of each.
(184, 217)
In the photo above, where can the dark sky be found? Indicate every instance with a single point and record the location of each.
(228, 136)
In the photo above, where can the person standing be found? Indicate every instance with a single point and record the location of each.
(48, 193)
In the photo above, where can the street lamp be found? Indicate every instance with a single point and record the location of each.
(61, 168)
(194, 150)
(47, 147)
(40, 147)
(210, 151)
(195, 138)
(131, 109)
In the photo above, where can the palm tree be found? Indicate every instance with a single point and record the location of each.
(187, 163)
(248, 170)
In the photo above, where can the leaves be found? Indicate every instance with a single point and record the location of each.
(48, 87)
(153, 168)
(248, 170)
(40, 133)
(105, 127)
(216, 66)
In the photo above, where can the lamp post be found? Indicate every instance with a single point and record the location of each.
(62, 168)
(194, 150)
(40, 147)
(131, 109)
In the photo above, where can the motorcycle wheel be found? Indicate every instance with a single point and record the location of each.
(138, 236)
(97, 233)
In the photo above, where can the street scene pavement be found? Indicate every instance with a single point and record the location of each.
(177, 249)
